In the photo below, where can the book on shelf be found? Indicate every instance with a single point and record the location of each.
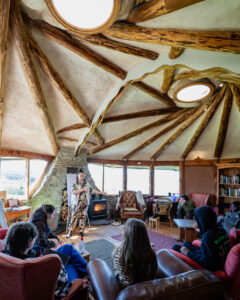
(230, 192)
(235, 179)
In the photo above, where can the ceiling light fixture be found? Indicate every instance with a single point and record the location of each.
(85, 16)
(194, 92)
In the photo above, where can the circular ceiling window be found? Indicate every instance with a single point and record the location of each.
(194, 92)
(85, 16)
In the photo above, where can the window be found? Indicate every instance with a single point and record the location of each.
(37, 167)
(13, 177)
(166, 180)
(138, 179)
(96, 171)
(113, 179)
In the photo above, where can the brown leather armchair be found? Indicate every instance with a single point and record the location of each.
(178, 281)
(129, 207)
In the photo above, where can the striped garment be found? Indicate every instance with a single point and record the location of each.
(125, 278)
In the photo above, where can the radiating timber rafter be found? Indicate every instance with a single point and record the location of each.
(4, 20)
(137, 132)
(236, 94)
(65, 39)
(181, 119)
(141, 114)
(211, 110)
(175, 52)
(103, 41)
(154, 93)
(57, 80)
(221, 41)
(155, 8)
(73, 127)
(222, 131)
(21, 39)
(168, 76)
(188, 122)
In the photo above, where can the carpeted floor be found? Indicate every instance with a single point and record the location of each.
(159, 240)
(101, 249)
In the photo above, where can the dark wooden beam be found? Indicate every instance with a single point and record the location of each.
(236, 94)
(73, 127)
(57, 80)
(103, 41)
(40, 180)
(149, 141)
(154, 93)
(141, 114)
(65, 39)
(22, 44)
(212, 109)
(222, 131)
(155, 8)
(25, 154)
(28, 176)
(167, 79)
(4, 19)
(175, 52)
(182, 176)
(67, 139)
(200, 110)
(221, 41)
(151, 179)
(125, 175)
(136, 132)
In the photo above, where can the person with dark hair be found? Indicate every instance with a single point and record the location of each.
(134, 260)
(20, 239)
(185, 207)
(77, 266)
(214, 245)
(231, 219)
(81, 192)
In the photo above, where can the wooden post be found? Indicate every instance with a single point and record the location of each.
(27, 176)
(182, 176)
(151, 175)
(125, 175)
(4, 19)
(103, 178)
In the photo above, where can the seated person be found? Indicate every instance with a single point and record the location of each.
(20, 239)
(77, 266)
(185, 207)
(134, 260)
(214, 245)
(231, 219)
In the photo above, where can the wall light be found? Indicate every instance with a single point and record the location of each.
(85, 16)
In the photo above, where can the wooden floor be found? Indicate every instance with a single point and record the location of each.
(105, 232)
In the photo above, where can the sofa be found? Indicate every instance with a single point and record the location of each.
(202, 199)
(176, 281)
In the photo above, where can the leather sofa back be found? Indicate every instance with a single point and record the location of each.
(195, 284)
(201, 199)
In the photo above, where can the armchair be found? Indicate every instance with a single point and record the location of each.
(202, 199)
(129, 206)
(181, 282)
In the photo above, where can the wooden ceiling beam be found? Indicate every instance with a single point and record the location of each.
(67, 139)
(103, 41)
(141, 114)
(57, 80)
(222, 131)
(154, 93)
(73, 127)
(212, 109)
(236, 94)
(25, 154)
(199, 111)
(221, 41)
(22, 43)
(39, 181)
(168, 76)
(65, 39)
(4, 20)
(175, 52)
(155, 8)
(181, 119)
(137, 132)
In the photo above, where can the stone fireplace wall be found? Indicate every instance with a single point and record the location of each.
(55, 181)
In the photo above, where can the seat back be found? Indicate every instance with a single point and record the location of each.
(162, 206)
(234, 236)
(28, 279)
(128, 199)
(200, 199)
(195, 284)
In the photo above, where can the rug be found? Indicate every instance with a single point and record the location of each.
(159, 240)
(101, 249)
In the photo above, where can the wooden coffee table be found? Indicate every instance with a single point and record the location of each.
(187, 230)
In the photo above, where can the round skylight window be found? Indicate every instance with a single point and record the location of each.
(85, 16)
(194, 92)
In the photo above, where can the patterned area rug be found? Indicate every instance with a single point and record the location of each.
(159, 240)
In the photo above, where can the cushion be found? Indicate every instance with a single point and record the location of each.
(130, 209)
(13, 202)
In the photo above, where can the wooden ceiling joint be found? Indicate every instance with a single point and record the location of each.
(236, 94)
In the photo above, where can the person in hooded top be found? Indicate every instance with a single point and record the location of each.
(214, 244)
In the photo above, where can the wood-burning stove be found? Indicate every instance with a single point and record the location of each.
(97, 208)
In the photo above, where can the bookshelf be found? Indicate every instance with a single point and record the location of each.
(228, 185)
